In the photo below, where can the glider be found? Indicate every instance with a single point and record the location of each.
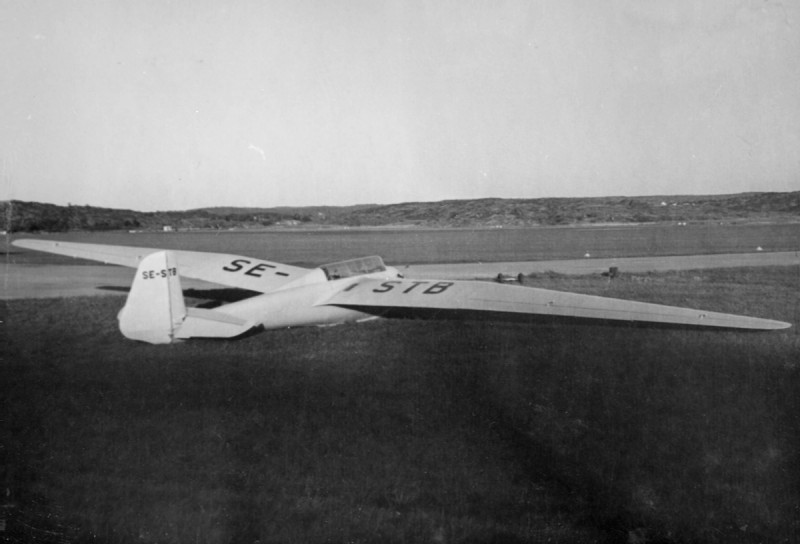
(347, 291)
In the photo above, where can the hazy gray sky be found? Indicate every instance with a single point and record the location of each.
(186, 103)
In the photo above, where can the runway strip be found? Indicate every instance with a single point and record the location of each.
(47, 281)
(596, 266)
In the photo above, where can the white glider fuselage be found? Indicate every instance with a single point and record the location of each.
(300, 303)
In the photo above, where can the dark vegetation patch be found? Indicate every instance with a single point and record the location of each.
(409, 430)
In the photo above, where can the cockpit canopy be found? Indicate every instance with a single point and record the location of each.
(353, 267)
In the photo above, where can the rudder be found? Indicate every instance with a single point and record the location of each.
(155, 307)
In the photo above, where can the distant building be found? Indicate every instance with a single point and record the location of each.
(168, 228)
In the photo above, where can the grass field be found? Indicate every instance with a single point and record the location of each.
(410, 431)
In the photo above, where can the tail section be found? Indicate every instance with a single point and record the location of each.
(156, 313)
(155, 306)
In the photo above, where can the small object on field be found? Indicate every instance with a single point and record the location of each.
(612, 272)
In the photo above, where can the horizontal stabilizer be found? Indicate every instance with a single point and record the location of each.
(211, 324)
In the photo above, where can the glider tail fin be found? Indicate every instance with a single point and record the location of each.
(156, 313)
(155, 307)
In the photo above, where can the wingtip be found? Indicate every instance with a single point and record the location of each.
(771, 325)
(29, 243)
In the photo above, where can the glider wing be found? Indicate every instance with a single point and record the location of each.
(472, 299)
(224, 269)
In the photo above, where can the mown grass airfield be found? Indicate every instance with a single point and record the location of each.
(415, 431)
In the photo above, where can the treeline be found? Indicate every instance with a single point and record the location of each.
(20, 216)
(570, 211)
(488, 212)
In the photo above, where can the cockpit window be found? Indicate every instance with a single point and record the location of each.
(353, 267)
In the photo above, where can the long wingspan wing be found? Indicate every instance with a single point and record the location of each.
(458, 299)
(221, 268)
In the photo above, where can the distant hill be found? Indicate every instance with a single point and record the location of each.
(19, 216)
(569, 211)
(325, 214)
(488, 212)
